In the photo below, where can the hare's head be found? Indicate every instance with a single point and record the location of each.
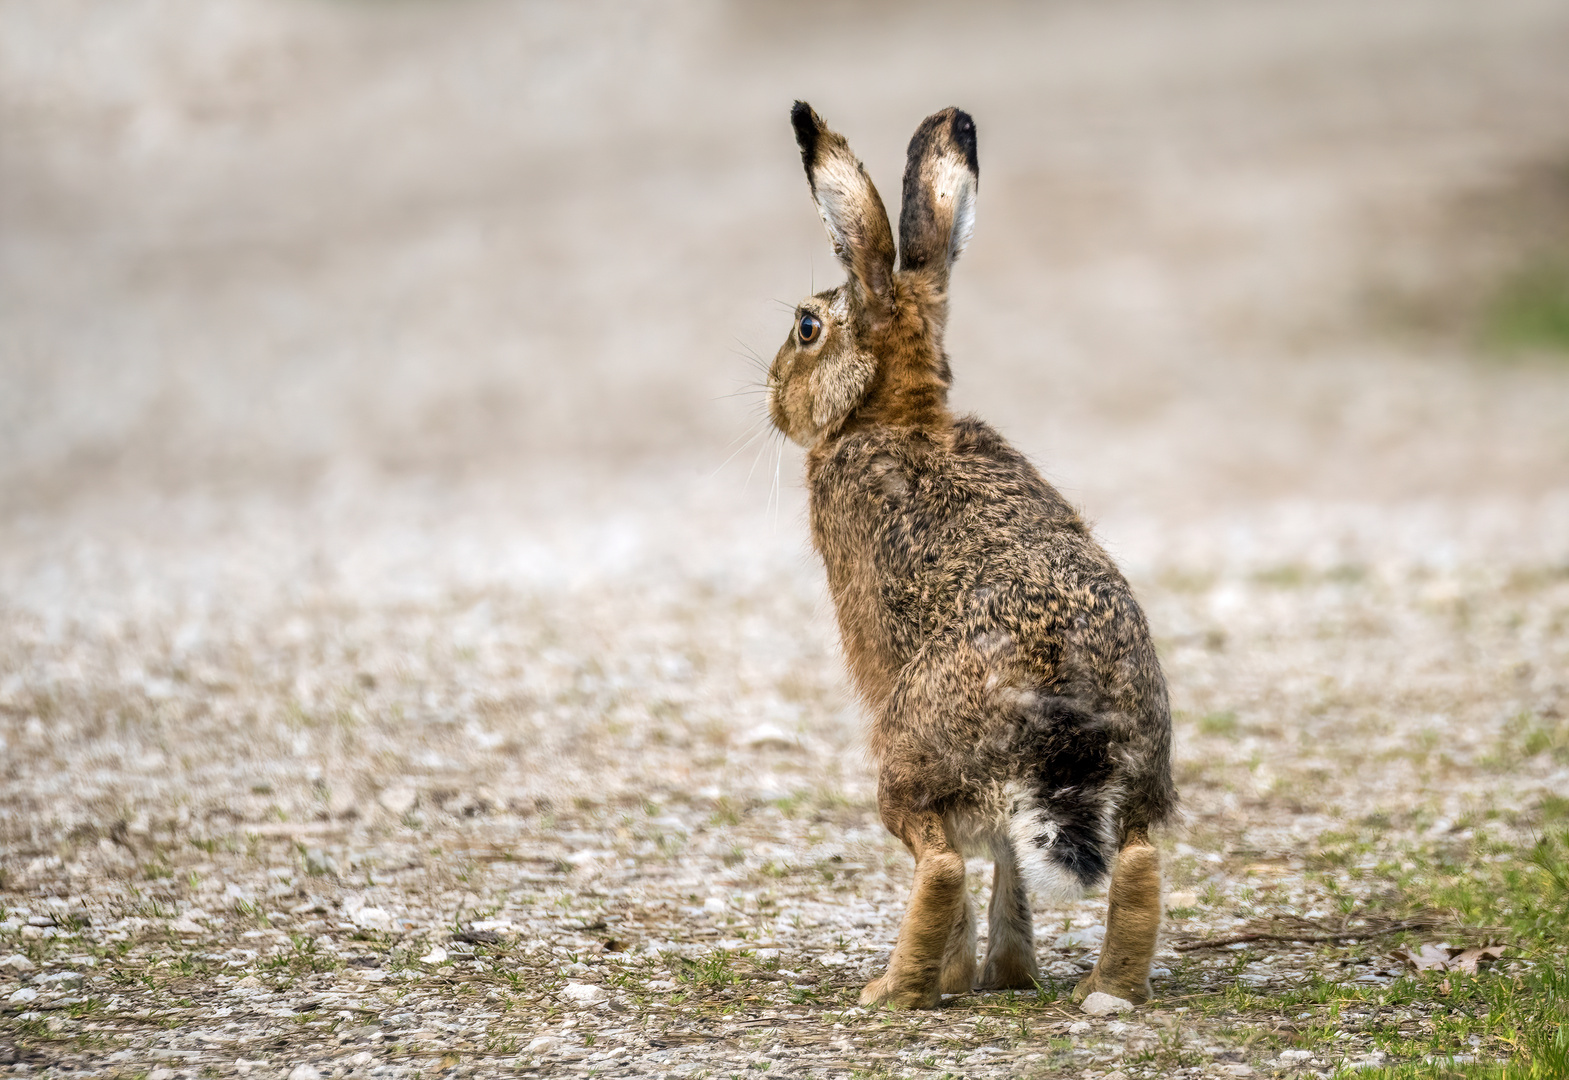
(871, 349)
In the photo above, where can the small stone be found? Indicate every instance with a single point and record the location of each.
(372, 918)
(161, 1073)
(1100, 1004)
(398, 799)
(1294, 1057)
(185, 925)
(470, 803)
(1079, 1027)
(26, 993)
(361, 1059)
(250, 982)
(715, 904)
(544, 1044)
(437, 955)
(768, 737)
(1235, 1068)
(18, 962)
(303, 1072)
(834, 959)
(583, 993)
(341, 803)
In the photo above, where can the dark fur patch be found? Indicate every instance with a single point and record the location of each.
(963, 131)
(805, 123)
(1067, 752)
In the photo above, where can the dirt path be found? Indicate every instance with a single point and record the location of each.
(389, 683)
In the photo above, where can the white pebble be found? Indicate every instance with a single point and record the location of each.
(1099, 1004)
(398, 799)
(582, 993)
(372, 918)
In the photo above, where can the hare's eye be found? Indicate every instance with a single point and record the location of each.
(808, 328)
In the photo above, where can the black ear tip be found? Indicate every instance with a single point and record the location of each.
(963, 131)
(804, 120)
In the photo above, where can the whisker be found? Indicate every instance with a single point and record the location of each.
(750, 435)
(746, 349)
(750, 355)
(755, 459)
(778, 490)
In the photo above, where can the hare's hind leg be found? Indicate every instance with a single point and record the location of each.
(914, 979)
(958, 959)
(1132, 921)
(1010, 934)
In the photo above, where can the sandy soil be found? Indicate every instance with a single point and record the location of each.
(399, 673)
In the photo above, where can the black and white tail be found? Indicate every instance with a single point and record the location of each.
(1063, 821)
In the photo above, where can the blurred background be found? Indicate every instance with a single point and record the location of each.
(312, 310)
(1227, 252)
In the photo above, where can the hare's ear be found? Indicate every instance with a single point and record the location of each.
(850, 208)
(940, 178)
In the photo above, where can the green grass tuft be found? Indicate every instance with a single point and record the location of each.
(1530, 311)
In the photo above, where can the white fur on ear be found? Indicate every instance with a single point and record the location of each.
(838, 385)
(837, 185)
(957, 184)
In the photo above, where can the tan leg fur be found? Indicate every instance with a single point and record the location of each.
(1132, 921)
(938, 904)
(958, 959)
(1010, 936)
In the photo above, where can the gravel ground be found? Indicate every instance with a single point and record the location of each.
(380, 696)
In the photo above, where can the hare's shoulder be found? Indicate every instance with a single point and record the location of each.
(968, 465)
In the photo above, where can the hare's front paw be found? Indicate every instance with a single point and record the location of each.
(883, 991)
(1137, 992)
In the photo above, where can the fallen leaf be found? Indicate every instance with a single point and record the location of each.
(1445, 957)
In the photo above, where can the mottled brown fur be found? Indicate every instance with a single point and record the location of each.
(1017, 704)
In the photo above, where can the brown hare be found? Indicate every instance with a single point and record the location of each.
(1018, 708)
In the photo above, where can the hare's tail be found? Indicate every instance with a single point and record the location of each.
(1063, 821)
